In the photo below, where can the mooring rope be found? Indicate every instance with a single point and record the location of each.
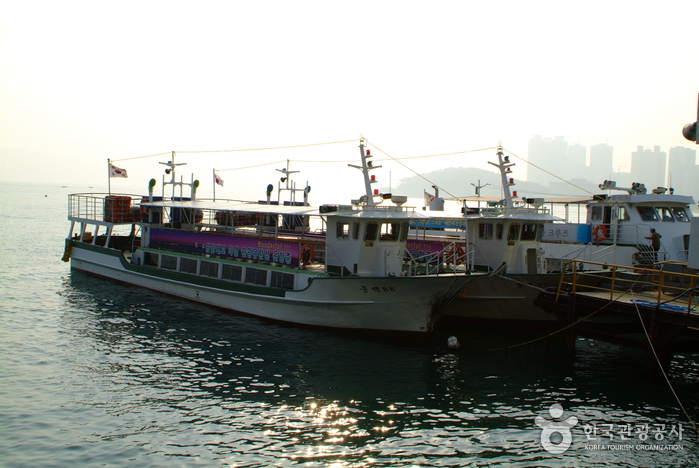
(662, 369)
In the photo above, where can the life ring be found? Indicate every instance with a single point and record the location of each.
(600, 232)
(457, 253)
(308, 254)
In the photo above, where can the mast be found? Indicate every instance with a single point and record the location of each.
(170, 170)
(365, 168)
(503, 166)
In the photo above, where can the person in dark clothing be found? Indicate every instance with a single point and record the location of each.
(654, 242)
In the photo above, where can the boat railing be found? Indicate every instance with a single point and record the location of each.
(667, 288)
(451, 258)
(110, 208)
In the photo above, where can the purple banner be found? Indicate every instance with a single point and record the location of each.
(421, 249)
(240, 248)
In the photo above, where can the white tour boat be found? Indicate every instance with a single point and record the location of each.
(500, 233)
(264, 259)
(617, 228)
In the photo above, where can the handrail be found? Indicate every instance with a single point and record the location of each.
(662, 285)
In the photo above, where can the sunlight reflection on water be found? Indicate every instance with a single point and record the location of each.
(96, 373)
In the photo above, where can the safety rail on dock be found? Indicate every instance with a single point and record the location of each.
(659, 286)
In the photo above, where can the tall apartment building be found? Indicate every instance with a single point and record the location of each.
(682, 170)
(601, 163)
(648, 167)
(548, 155)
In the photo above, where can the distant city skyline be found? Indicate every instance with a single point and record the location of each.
(554, 156)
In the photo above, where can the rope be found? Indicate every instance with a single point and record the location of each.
(667, 379)
(271, 148)
(141, 157)
(251, 167)
(549, 173)
(561, 329)
(396, 159)
(416, 173)
(645, 331)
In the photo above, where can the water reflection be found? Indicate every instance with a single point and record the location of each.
(177, 379)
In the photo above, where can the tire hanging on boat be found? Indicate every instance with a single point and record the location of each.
(68, 250)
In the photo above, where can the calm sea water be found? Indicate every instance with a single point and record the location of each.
(94, 373)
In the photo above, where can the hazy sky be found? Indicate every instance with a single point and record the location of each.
(85, 81)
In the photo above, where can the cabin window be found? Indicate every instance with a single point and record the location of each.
(232, 273)
(622, 214)
(665, 214)
(647, 213)
(169, 262)
(151, 259)
(282, 280)
(188, 265)
(371, 230)
(513, 233)
(355, 230)
(485, 230)
(256, 276)
(209, 269)
(499, 228)
(680, 215)
(342, 230)
(529, 232)
(597, 214)
(404, 232)
(390, 231)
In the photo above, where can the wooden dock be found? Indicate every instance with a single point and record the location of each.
(653, 309)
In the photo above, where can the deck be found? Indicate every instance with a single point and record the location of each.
(636, 307)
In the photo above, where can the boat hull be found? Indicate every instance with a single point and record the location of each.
(396, 304)
(504, 300)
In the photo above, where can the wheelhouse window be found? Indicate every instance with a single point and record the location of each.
(680, 215)
(390, 231)
(529, 232)
(647, 213)
(404, 232)
(342, 231)
(499, 228)
(355, 230)
(513, 233)
(597, 214)
(665, 214)
(622, 214)
(485, 230)
(372, 229)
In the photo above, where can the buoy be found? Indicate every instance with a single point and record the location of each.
(453, 342)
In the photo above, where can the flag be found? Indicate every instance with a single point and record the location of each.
(218, 179)
(116, 172)
(428, 197)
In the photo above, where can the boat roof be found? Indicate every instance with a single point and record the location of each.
(382, 212)
(597, 198)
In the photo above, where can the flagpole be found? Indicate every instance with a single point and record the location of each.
(109, 176)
